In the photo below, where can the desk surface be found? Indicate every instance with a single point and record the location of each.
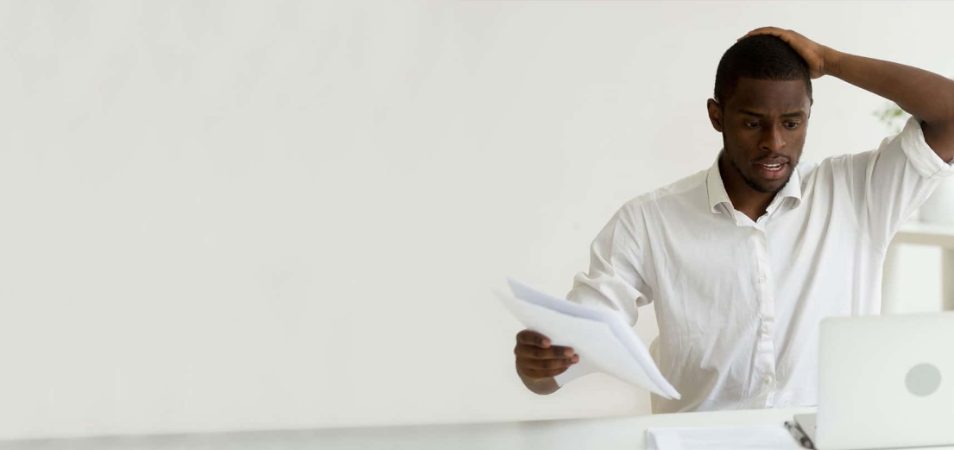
(603, 433)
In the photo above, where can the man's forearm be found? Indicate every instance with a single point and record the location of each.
(925, 95)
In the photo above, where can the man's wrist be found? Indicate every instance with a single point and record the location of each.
(831, 61)
(542, 386)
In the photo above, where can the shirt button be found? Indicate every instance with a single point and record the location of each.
(769, 380)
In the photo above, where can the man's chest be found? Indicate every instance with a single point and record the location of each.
(710, 264)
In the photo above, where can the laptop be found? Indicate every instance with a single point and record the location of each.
(884, 382)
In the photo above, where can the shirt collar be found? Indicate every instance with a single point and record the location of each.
(718, 195)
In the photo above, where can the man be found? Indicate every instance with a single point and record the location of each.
(742, 261)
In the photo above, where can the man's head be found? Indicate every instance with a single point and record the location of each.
(763, 97)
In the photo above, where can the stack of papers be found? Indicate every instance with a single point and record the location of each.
(601, 338)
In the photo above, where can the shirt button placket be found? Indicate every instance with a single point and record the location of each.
(765, 360)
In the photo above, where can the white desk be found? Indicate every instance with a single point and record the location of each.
(577, 434)
(619, 433)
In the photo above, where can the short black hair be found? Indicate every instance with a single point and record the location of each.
(760, 57)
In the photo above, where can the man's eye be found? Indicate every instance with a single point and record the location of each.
(751, 124)
(791, 125)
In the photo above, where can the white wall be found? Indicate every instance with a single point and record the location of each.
(244, 215)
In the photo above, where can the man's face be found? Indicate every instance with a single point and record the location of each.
(763, 125)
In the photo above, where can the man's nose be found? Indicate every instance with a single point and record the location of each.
(772, 139)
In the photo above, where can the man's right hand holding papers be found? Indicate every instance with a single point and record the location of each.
(538, 361)
(601, 342)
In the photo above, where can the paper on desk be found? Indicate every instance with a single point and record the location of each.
(601, 338)
(752, 437)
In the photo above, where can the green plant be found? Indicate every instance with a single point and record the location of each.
(893, 116)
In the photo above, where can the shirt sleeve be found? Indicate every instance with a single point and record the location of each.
(614, 280)
(890, 183)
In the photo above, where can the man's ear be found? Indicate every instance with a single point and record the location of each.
(715, 114)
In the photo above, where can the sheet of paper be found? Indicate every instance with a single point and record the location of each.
(601, 338)
(753, 437)
(620, 329)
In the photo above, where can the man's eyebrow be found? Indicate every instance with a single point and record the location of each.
(760, 115)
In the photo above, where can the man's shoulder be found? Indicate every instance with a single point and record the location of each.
(806, 168)
(832, 166)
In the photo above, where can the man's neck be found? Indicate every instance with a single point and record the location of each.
(744, 199)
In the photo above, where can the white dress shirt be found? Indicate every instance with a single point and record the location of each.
(739, 302)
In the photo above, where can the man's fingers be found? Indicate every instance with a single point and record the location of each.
(545, 364)
(531, 337)
(529, 351)
(774, 31)
(542, 373)
(537, 358)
